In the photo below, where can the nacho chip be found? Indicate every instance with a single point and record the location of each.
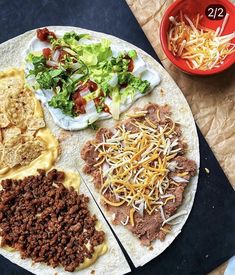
(29, 135)
(12, 136)
(1, 152)
(10, 157)
(1, 136)
(35, 123)
(21, 118)
(4, 121)
(20, 107)
(2, 103)
(2, 163)
(29, 151)
(11, 85)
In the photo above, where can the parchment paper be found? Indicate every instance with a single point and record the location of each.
(212, 99)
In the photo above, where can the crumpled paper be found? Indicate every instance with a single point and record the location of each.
(212, 98)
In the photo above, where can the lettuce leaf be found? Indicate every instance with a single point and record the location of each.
(126, 92)
(92, 54)
(132, 54)
(38, 61)
(72, 37)
(137, 83)
(115, 108)
(62, 100)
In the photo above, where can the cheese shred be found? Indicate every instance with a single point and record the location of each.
(202, 48)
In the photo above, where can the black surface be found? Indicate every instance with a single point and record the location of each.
(208, 237)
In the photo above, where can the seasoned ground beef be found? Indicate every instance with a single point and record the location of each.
(47, 222)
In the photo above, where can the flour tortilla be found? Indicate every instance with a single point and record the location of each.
(165, 93)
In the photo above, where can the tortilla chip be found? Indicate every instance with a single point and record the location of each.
(2, 103)
(12, 136)
(10, 158)
(2, 163)
(1, 152)
(29, 151)
(20, 108)
(4, 121)
(11, 85)
(29, 135)
(35, 123)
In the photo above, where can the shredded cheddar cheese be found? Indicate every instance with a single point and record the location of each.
(201, 47)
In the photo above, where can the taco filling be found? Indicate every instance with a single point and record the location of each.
(141, 171)
(46, 221)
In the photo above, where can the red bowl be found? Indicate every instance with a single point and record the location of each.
(192, 8)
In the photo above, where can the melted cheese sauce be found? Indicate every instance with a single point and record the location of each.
(48, 157)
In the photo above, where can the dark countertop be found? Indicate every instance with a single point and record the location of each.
(208, 238)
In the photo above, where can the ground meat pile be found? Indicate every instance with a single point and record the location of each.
(46, 221)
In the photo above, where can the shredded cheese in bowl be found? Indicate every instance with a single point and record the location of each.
(201, 47)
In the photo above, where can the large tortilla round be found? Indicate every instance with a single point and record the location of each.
(167, 92)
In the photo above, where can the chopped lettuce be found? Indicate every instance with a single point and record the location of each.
(137, 83)
(45, 80)
(38, 62)
(92, 54)
(126, 92)
(84, 62)
(62, 100)
(73, 37)
(132, 54)
(115, 110)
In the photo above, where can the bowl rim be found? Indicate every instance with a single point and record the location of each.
(169, 55)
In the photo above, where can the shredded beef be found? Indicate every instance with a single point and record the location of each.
(47, 222)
